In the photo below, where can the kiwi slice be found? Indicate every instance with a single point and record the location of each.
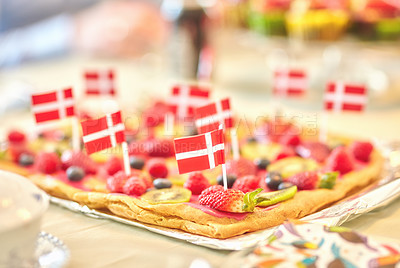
(290, 166)
(167, 196)
(271, 198)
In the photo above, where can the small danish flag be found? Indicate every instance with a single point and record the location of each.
(345, 97)
(289, 83)
(184, 99)
(103, 133)
(209, 117)
(100, 82)
(53, 105)
(204, 151)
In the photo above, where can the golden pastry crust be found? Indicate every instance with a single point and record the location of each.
(193, 220)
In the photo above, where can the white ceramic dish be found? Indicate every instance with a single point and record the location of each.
(22, 206)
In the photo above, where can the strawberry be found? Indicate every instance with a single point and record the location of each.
(134, 186)
(361, 150)
(247, 183)
(16, 137)
(116, 182)
(339, 160)
(241, 167)
(47, 162)
(230, 200)
(157, 168)
(196, 183)
(313, 149)
(113, 165)
(305, 180)
(212, 189)
(80, 159)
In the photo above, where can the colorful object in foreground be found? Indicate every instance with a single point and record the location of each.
(100, 82)
(211, 116)
(298, 244)
(290, 83)
(345, 97)
(53, 105)
(184, 99)
(200, 152)
(103, 133)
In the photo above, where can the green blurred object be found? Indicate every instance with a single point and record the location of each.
(270, 23)
(388, 29)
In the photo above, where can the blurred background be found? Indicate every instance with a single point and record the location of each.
(234, 44)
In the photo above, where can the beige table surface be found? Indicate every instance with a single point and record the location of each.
(103, 243)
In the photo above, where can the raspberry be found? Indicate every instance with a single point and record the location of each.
(134, 186)
(339, 160)
(247, 183)
(113, 165)
(211, 189)
(157, 168)
(361, 150)
(147, 181)
(315, 150)
(286, 152)
(16, 137)
(304, 180)
(79, 159)
(196, 183)
(116, 182)
(241, 167)
(47, 162)
(290, 140)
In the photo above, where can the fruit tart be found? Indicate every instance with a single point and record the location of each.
(282, 173)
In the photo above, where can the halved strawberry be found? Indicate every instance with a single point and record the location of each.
(241, 167)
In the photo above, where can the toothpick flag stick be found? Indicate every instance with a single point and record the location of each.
(76, 137)
(106, 132)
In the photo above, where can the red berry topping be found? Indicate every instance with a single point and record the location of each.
(47, 162)
(211, 189)
(304, 180)
(286, 152)
(196, 183)
(113, 165)
(157, 168)
(79, 159)
(147, 181)
(241, 167)
(16, 150)
(290, 140)
(134, 186)
(228, 200)
(16, 137)
(116, 182)
(159, 148)
(315, 150)
(361, 150)
(247, 183)
(339, 160)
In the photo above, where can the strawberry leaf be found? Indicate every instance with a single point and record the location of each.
(249, 200)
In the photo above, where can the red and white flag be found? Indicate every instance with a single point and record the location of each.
(204, 151)
(100, 82)
(53, 105)
(211, 116)
(103, 133)
(290, 83)
(184, 99)
(345, 97)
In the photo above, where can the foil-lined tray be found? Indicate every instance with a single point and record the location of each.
(378, 195)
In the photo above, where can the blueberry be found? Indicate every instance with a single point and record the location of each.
(273, 180)
(25, 159)
(251, 140)
(75, 173)
(162, 183)
(230, 180)
(262, 163)
(136, 162)
(284, 185)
